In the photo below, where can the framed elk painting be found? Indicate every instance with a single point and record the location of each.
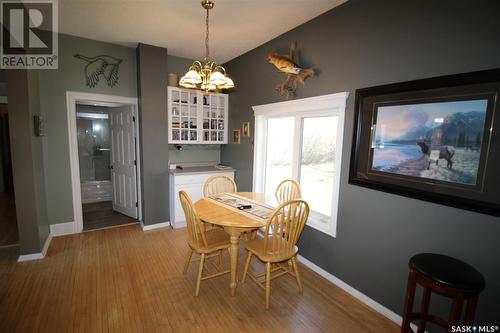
(433, 139)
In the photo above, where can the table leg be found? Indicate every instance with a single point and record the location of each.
(234, 261)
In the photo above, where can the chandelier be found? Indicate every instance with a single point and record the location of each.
(208, 75)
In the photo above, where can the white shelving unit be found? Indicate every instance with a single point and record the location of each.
(195, 117)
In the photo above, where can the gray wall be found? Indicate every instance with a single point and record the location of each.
(53, 86)
(194, 154)
(152, 83)
(27, 161)
(3, 127)
(365, 43)
(189, 153)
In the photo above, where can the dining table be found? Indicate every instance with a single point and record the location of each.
(236, 221)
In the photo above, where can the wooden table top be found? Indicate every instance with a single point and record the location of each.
(211, 212)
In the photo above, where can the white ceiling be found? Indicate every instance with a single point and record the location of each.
(236, 26)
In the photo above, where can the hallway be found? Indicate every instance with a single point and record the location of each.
(8, 224)
(101, 215)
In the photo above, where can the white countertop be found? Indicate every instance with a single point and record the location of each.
(199, 169)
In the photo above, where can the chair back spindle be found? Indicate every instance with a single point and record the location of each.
(219, 184)
(288, 190)
(285, 226)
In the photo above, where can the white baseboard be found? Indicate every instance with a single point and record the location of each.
(39, 255)
(179, 225)
(46, 245)
(61, 229)
(355, 293)
(154, 226)
(29, 257)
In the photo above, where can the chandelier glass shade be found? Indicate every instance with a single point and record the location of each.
(206, 75)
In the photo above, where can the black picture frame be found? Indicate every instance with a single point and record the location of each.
(482, 195)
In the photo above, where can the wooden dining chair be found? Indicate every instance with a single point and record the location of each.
(207, 244)
(287, 190)
(219, 184)
(278, 245)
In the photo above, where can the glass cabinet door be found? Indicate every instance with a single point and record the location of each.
(183, 116)
(197, 118)
(214, 118)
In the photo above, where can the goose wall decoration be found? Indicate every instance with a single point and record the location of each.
(101, 65)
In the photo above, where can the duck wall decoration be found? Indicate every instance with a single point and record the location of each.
(290, 66)
(101, 65)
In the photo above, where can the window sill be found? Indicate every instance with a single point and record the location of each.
(321, 225)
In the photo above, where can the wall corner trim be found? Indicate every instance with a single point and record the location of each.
(39, 255)
(353, 292)
(61, 229)
(154, 226)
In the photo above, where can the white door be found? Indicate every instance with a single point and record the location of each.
(123, 160)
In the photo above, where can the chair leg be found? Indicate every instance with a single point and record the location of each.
(297, 274)
(456, 311)
(268, 283)
(247, 264)
(290, 266)
(470, 310)
(410, 296)
(188, 260)
(426, 298)
(200, 272)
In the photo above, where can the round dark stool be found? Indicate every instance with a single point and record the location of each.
(446, 276)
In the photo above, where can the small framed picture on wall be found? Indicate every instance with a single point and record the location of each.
(246, 129)
(236, 136)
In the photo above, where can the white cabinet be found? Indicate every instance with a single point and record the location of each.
(195, 117)
(192, 184)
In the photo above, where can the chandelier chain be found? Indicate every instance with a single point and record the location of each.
(207, 51)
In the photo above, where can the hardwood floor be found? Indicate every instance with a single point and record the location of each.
(124, 279)
(101, 215)
(8, 222)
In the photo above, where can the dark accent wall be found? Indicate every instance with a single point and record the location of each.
(27, 161)
(152, 92)
(365, 43)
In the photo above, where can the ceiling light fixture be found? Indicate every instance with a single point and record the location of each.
(208, 75)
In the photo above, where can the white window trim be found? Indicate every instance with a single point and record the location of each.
(326, 105)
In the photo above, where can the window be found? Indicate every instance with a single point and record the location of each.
(302, 140)
(279, 157)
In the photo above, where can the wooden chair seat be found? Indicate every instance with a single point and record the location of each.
(217, 239)
(257, 247)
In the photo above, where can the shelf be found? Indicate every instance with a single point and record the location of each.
(197, 118)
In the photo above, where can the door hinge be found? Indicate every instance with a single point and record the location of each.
(136, 204)
(133, 119)
(135, 162)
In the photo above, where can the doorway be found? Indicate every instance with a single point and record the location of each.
(105, 168)
(8, 222)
